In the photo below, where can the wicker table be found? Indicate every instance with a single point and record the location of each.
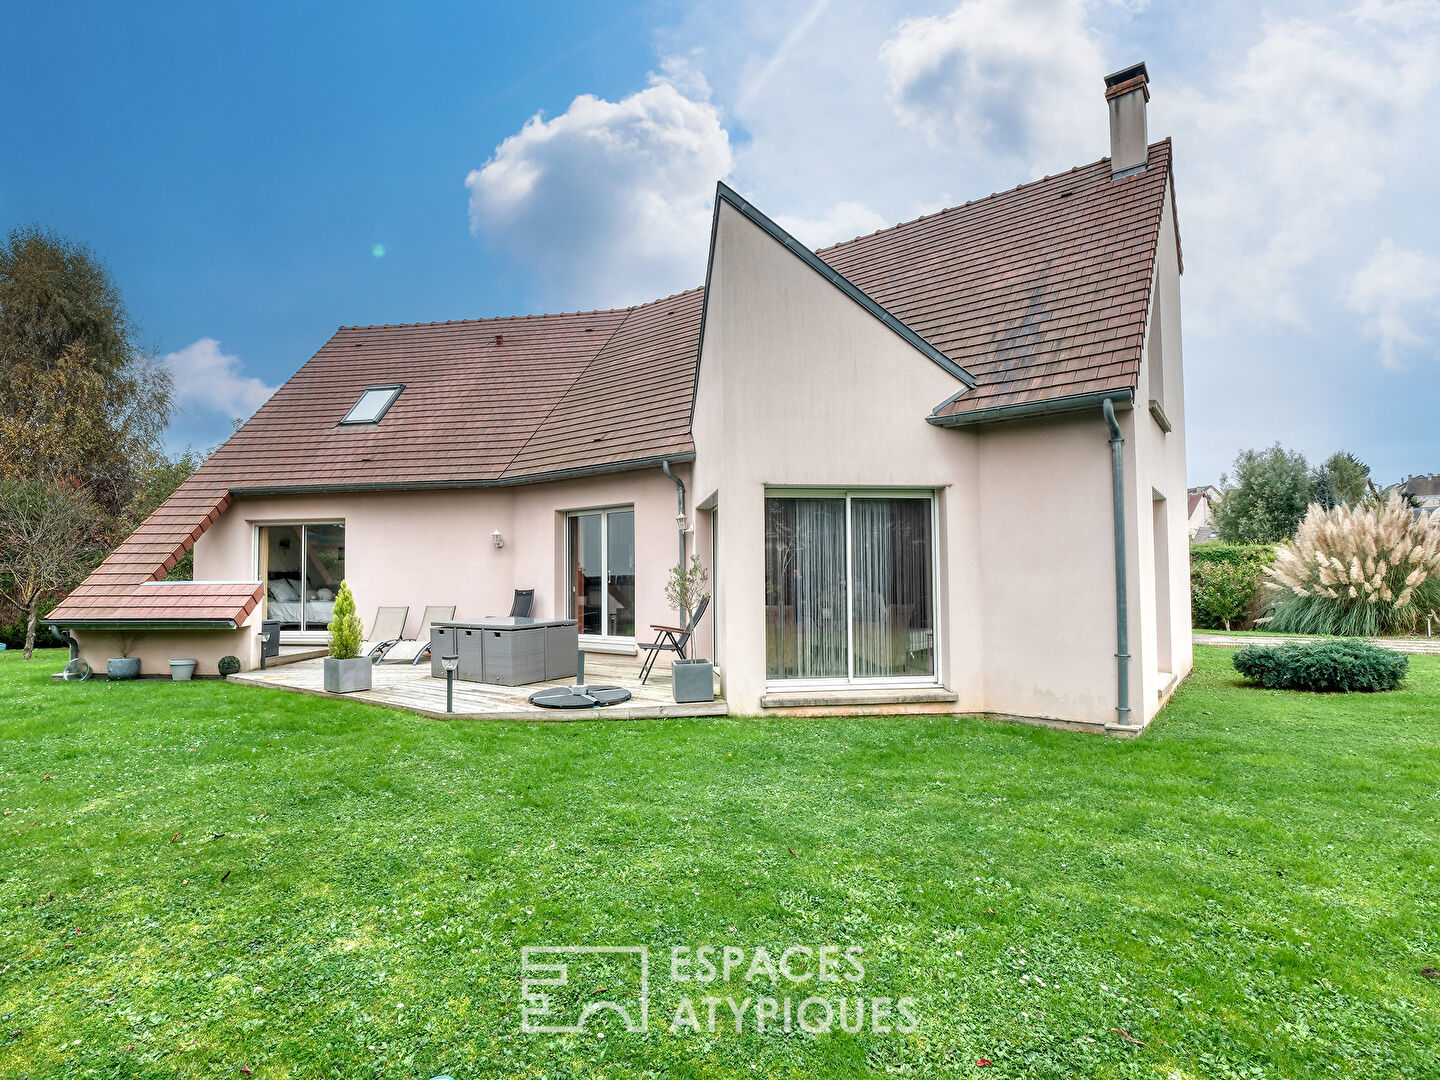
(507, 651)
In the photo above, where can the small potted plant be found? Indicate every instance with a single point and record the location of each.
(346, 671)
(691, 680)
(228, 665)
(123, 666)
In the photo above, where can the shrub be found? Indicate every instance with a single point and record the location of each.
(1357, 572)
(1323, 666)
(1225, 583)
(346, 632)
(229, 665)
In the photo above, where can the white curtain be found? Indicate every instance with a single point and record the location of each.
(805, 614)
(891, 561)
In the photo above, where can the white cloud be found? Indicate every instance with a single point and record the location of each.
(1396, 291)
(1018, 78)
(1285, 150)
(209, 381)
(610, 201)
(843, 221)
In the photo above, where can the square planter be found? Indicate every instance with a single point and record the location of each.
(347, 676)
(694, 680)
(122, 667)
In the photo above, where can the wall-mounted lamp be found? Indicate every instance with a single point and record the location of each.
(680, 522)
(497, 539)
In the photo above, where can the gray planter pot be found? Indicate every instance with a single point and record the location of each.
(122, 667)
(694, 680)
(182, 670)
(347, 676)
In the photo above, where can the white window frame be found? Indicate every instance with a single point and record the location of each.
(850, 681)
(612, 642)
(291, 637)
(394, 391)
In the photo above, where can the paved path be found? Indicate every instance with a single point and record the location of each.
(1232, 641)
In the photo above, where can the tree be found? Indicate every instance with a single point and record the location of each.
(79, 400)
(1348, 476)
(345, 629)
(1270, 493)
(47, 541)
(1222, 591)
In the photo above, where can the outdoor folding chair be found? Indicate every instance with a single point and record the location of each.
(388, 628)
(670, 639)
(413, 650)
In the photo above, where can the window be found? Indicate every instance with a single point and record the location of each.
(302, 567)
(849, 587)
(372, 405)
(602, 571)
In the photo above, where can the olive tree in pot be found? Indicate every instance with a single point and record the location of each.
(346, 671)
(691, 680)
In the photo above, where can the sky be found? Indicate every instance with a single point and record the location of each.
(257, 175)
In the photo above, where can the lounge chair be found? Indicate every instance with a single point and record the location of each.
(670, 639)
(388, 628)
(413, 650)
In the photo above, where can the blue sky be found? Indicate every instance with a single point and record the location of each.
(241, 167)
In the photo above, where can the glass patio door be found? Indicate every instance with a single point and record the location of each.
(601, 561)
(849, 587)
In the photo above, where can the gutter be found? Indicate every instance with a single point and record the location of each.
(141, 624)
(1077, 403)
(64, 636)
(440, 485)
(1122, 626)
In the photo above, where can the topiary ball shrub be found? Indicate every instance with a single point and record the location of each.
(1327, 667)
(229, 665)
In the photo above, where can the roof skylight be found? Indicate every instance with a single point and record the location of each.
(372, 405)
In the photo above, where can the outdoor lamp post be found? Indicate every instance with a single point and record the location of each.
(450, 663)
(264, 641)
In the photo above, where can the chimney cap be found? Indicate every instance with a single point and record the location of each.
(1125, 74)
(1126, 81)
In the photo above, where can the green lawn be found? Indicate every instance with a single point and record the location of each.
(198, 877)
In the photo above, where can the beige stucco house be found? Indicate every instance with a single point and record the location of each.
(863, 444)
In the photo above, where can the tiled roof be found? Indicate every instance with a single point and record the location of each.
(1040, 293)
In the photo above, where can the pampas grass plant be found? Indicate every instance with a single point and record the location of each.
(1356, 572)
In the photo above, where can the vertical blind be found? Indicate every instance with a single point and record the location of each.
(848, 595)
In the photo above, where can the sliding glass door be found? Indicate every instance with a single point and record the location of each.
(302, 567)
(849, 587)
(601, 562)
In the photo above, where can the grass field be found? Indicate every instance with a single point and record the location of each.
(200, 879)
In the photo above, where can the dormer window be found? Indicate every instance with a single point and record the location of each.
(372, 404)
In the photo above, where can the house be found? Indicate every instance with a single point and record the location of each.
(1200, 501)
(847, 438)
(1423, 492)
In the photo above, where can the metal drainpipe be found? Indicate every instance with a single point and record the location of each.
(679, 518)
(64, 635)
(1122, 625)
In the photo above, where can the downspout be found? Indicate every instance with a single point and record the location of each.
(1122, 627)
(64, 635)
(679, 519)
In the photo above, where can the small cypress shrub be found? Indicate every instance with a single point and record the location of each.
(229, 665)
(1327, 667)
(346, 633)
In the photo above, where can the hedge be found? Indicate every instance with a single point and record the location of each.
(1323, 666)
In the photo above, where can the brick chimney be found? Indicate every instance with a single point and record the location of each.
(1127, 91)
